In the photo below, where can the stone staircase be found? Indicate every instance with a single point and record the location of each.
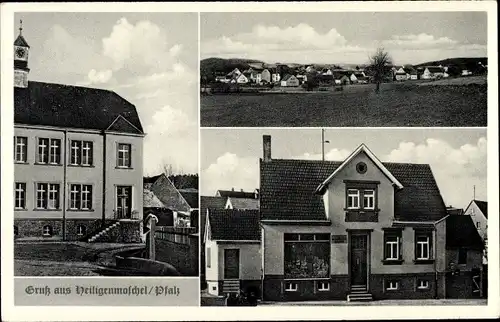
(359, 293)
(104, 233)
(230, 286)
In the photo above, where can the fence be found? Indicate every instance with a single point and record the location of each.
(178, 246)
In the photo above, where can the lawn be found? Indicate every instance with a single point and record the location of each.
(398, 104)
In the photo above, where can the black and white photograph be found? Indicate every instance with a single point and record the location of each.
(362, 69)
(344, 217)
(105, 144)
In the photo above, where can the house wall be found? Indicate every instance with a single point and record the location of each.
(128, 177)
(266, 76)
(480, 221)
(211, 267)
(249, 259)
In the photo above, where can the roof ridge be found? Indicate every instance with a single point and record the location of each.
(338, 161)
(77, 86)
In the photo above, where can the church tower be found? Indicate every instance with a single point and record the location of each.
(21, 51)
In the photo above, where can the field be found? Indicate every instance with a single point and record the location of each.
(460, 102)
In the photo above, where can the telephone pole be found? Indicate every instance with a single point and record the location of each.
(323, 141)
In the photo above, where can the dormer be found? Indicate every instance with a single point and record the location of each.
(21, 53)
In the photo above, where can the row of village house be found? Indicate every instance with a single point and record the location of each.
(358, 229)
(260, 75)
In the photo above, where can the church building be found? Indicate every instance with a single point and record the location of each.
(77, 160)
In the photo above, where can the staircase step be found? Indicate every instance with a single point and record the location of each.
(359, 297)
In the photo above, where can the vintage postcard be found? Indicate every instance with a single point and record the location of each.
(249, 161)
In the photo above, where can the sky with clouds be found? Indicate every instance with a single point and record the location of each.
(343, 38)
(230, 158)
(144, 57)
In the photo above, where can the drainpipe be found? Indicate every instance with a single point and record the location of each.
(103, 223)
(64, 156)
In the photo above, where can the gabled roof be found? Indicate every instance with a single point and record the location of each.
(150, 200)
(20, 41)
(380, 165)
(244, 203)
(461, 232)
(73, 106)
(288, 190)
(287, 77)
(191, 197)
(152, 179)
(207, 203)
(229, 224)
(235, 194)
(483, 206)
(435, 69)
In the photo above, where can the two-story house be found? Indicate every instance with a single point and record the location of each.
(357, 229)
(77, 160)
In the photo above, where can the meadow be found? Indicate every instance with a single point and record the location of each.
(453, 102)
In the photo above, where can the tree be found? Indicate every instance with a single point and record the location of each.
(380, 63)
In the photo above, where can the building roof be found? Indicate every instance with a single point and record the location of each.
(74, 106)
(287, 190)
(150, 200)
(191, 197)
(244, 203)
(435, 69)
(209, 202)
(151, 179)
(461, 232)
(235, 194)
(287, 77)
(230, 224)
(483, 206)
(20, 41)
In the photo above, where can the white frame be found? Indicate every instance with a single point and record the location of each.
(57, 156)
(50, 229)
(75, 151)
(85, 191)
(393, 286)
(24, 148)
(21, 191)
(392, 243)
(370, 196)
(87, 152)
(321, 286)
(421, 245)
(53, 193)
(423, 284)
(45, 188)
(78, 230)
(40, 155)
(129, 158)
(291, 287)
(353, 197)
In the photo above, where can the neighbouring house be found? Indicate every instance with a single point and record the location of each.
(326, 71)
(237, 194)
(466, 72)
(325, 80)
(433, 72)
(464, 258)
(181, 204)
(254, 75)
(302, 78)
(239, 79)
(242, 203)
(358, 229)
(290, 81)
(232, 251)
(153, 206)
(353, 78)
(310, 69)
(234, 72)
(275, 78)
(454, 211)
(265, 76)
(412, 74)
(478, 211)
(362, 79)
(78, 156)
(222, 79)
(342, 78)
(400, 74)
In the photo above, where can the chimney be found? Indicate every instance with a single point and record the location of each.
(241, 190)
(267, 148)
(232, 189)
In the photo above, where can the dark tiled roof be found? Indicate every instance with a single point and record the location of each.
(287, 190)
(461, 232)
(20, 41)
(286, 77)
(190, 196)
(72, 106)
(151, 179)
(229, 224)
(483, 206)
(435, 69)
(235, 194)
(245, 203)
(209, 203)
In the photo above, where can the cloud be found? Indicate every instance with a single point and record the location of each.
(456, 170)
(101, 77)
(175, 50)
(420, 41)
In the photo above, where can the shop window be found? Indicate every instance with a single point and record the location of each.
(307, 255)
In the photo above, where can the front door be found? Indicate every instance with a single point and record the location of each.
(123, 202)
(231, 263)
(359, 252)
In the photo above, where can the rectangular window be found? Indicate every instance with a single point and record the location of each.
(353, 199)
(123, 155)
(47, 196)
(369, 199)
(462, 256)
(20, 149)
(392, 245)
(422, 284)
(291, 287)
(20, 196)
(49, 151)
(423, 245)
(208, 258)
(307, 255)
(392, 286)
(123, 202)
(81, 153)
(80, 197)
(323, 286)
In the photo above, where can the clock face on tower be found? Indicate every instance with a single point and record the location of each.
(20, 52)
